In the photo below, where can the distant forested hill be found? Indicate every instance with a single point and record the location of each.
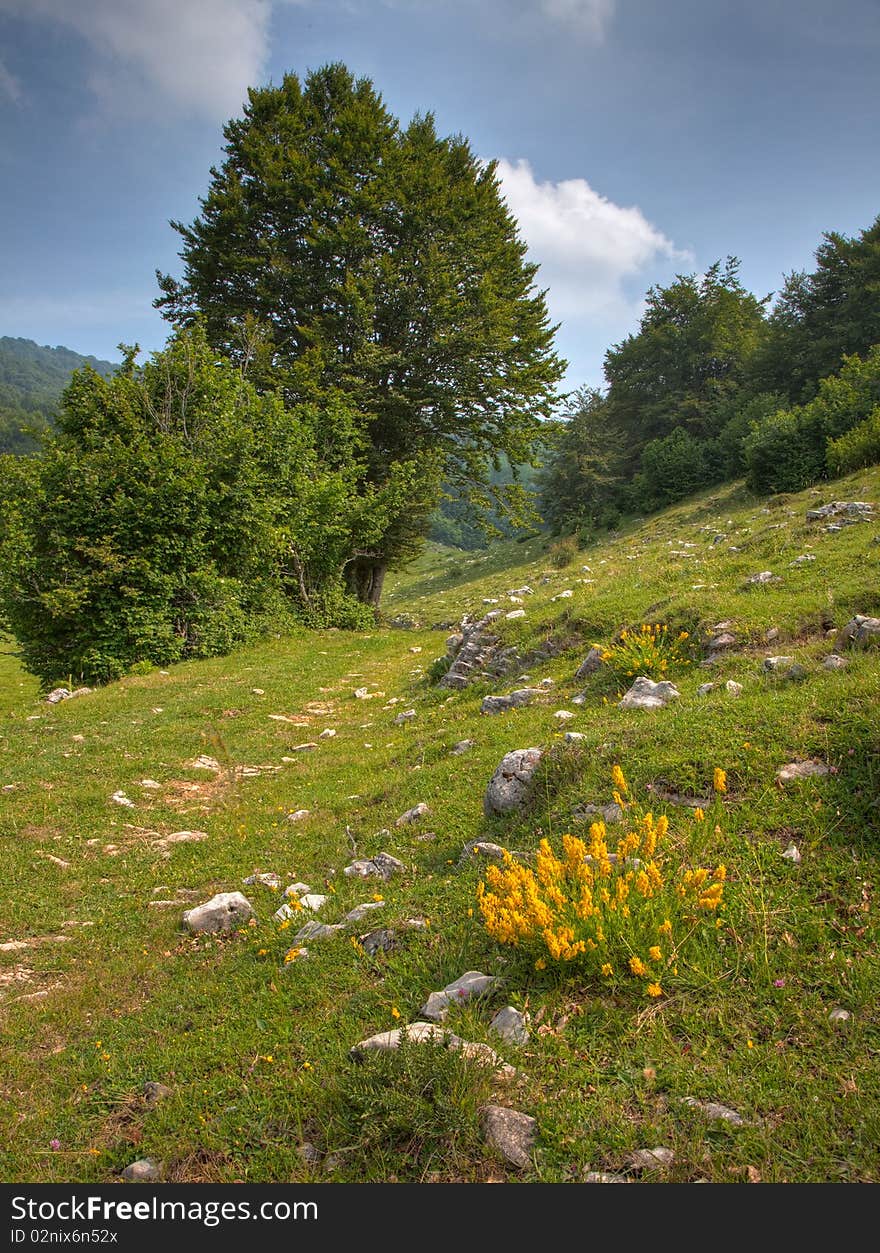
(32, 379)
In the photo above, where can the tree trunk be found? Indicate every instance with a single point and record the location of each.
(365, 578)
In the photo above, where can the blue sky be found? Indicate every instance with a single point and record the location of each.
(637, 138)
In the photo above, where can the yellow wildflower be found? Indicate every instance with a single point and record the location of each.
(719, 779)
(395, 1012)
(654, 989)
(699, 814)
(619, 780)
(637, 966)
(655, 953)
(607, 969)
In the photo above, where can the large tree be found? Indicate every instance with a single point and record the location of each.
(822, 316)
(338, 252)
(679, 370)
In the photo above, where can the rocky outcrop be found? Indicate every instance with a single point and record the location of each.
(511, 784)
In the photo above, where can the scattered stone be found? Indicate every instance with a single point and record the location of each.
(705, 688)
(308, 747)
(150, 785)
(515, 700)
(563, 715)
(482, 848)
(155, 1092)
(839, 1015)
(119, 798)
(204, 763)
(566, 595)
(57, 695)
(834, 662)
(223, 912)
(411, 816)
(510, 1025)
(406, 716)
(510, 1132)
(733, 688)
(772, 634)
(777, 663)
(801, 770)
(57, 861)
(471, 984)
(603, 1176)
(573, 737)
(849, 510)
(719, 642)
(361, 693)
(645, 694)
(714, 1111)
(463, 746)
(793, 854)
(803, 560)
(297, 889)
(360, 911)
(430, 1033)
(509, 787)
(490, 600)
(317, 931)
(547, 684)
(268, 878)
(471, 651)
(298, 815)
(590, 664)
(379, 941)
(382, 866)
(327, 734)
(308, 1153)
(515, 613)
(520, 591)
(765, 576)
(257, 691)
(650, 1159)
(580, 699)
(860, 630)
(313, 901)
(145, 1170)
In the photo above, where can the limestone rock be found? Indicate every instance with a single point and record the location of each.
(204, 762)
(650, 1159)
(510, 1025)
(715, 1111)
(144, 1170)
(482, 848)
(515, 700)
(705, 688)
(834, 662)
(860, 630)
(411, 816)
(645, 694)
(801, 770)
(603, 1176)
(268, 879)
(763, 577)
(463, 746)
(361, 911)
(515, 613)
(430, 1033)
(573, 737)
(793, 854)
(777, 663)
(154, 1092)
(839, 1015)
(733, 688)
(406, 716)
(223, 912)
(510, 785)
(849, 510)
(510, 1132)
(298, 815)
(590, 664)
(317, 931)
(563, 715)
(382, 866)
(611, 813)
(471, 984)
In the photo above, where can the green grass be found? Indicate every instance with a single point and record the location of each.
(746, 1023)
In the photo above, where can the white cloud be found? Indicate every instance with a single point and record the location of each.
(590, 17)
(588, 248)
(199, 56)
(9, 85)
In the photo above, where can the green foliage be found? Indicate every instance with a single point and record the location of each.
(338, 252)
(563, 552)
(689, 354)
(581, 463)
(179, 513)
(822, 316)
(672, 468)
(859, 447)
(790, 449)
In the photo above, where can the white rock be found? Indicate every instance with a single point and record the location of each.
(603, 1176)
(839, 1015)
(268, 879)
(510, 1132)
(406, 716)
(298, 815)
(777, 663)
(205, 763)
(515, 613)
(566, 595)
(119, 798)
(224, 912)
(573, 737)
(327, 734)
(510, 785)
(510, 1025)
(297, 889)
(705, 688)
(430, 1033)
(650, 1159)
(471, 984)
(715, 1111)
(733, 688)
(360, 911)
(765, 576)
(563, 715)
(313, 901)
(144, 1170)
(834, 662)
(317, 931)
(802, 770)
(382, 866)
(412, 815)
(793, 854)
(361, 693)
(644, 694)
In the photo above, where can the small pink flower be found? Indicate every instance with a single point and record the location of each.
(779, 983)
(55, 1144)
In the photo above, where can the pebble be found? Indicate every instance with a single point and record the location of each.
(650, 1159)
(793, 854)
(715, 1111)
(298, 815)
(511, 1132)
(145, 1170)
(411, 816)
(801, 770)
(471, 984)
(839, 1015)
(382, 866)
(224, 912)
(510, 1025)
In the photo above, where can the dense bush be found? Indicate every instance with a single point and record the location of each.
(178, 513)
(672, 468)
(858, 448)
(791, 448)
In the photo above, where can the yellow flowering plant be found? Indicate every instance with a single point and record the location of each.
(651, 650)
(617, 912)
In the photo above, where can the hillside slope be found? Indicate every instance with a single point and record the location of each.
(32, 379)
(111, 827)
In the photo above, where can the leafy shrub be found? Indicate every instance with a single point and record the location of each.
(621, 915)
(179, 513)
(858, 448)
(651, 651)
(792, 448)
(671, 469)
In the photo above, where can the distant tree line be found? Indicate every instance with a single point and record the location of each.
(32, 380)
(712, 386)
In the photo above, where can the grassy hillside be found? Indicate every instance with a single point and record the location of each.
(103, 991)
